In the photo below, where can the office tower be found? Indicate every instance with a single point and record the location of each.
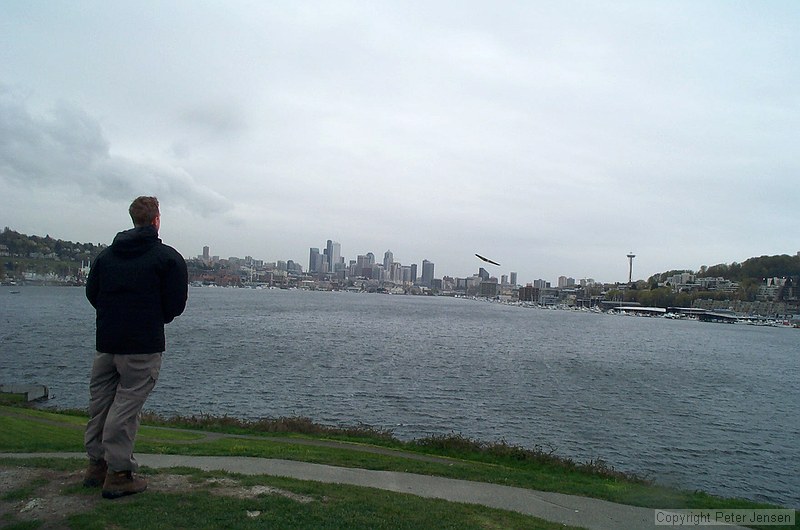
(562, 282)
(413, 273)
(504, 279)
(483, 274)
(427, 273)
(364, 265)
(388, 259)
(370, 258)
(313, 260)
(397, 272)
(337, 258)
(206, 254)
(514, 279)
(333, 252)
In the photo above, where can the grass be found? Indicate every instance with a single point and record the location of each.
(328, 506)
(29, 430)
(302, 504)
(6, 398)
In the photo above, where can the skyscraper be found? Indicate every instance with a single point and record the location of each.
(514, 279)
(388, 259)
(364, 264)
(336, 257)
(313, 260)
(427, 273)
(333, 253)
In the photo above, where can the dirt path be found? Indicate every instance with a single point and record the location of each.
(50, 496)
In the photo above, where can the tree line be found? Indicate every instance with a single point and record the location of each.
(21, 245)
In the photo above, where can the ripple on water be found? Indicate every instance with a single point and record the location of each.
(698, 406)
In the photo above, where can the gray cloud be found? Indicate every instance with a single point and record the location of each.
(67, 147)
(554, 136)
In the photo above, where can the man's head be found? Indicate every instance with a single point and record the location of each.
(144, 212)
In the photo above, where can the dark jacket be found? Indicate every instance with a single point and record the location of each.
(137, 285)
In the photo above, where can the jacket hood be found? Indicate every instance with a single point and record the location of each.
(135, 242)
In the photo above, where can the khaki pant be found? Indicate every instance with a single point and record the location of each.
(119, 387)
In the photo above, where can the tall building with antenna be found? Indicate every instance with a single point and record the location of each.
(631, 255)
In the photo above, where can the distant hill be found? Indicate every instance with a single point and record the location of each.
(753, 269)
(23, 246)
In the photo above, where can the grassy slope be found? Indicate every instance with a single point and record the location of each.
(27, 430)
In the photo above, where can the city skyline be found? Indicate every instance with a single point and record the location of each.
(504, 277)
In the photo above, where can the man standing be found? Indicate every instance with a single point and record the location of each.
(136, 285)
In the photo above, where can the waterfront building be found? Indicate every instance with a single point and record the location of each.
(490, 289)
(529, 293)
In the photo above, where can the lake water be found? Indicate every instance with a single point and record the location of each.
(695, 405)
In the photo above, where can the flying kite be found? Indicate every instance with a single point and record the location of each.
(487, 260)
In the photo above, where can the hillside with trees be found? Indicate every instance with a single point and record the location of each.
(765, 278)
(43, 257)
(781, 266)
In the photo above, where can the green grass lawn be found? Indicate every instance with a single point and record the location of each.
(28, 430)
(321, 506)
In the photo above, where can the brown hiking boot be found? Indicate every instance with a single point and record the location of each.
(95, 474)
(121, 483)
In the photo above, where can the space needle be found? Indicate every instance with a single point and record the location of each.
(631, 255)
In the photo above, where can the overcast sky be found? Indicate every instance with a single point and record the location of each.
(554, 137)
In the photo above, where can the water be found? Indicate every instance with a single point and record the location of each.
(699, 406)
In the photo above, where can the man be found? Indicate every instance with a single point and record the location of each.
(136, 285)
